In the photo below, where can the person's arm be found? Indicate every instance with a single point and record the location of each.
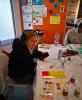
(40, 55)
(67, 38)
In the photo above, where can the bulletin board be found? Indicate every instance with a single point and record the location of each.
(51, 20)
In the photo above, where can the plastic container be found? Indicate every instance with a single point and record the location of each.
(72, 80)
(56, 38)
(77, 92)
(49, 96)
(65, 91)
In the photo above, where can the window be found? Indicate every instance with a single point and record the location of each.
(7, 31)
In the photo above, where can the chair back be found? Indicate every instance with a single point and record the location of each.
(0, 47)
(4, 63)
(3, 70)
(10, 89)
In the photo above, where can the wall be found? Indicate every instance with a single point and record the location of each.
(48, 29)
(80, 10)
(72, 11)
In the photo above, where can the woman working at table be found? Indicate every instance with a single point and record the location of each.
(23, 60)
(74, 36)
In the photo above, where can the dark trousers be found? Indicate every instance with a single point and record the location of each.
(20, 93)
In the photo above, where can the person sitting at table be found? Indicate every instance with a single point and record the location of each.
(74, 35)
(23, 59)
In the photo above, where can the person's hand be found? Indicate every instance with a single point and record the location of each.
(46, 54)
(43, 56)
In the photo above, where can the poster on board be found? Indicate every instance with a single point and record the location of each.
(51, 1)
(29, 2)
(62, 9)
(22, 2)
(28, 26)
(61, 1)
(56, 5)
(55, 19)
(39, 11)
(27, 17)
(26, 9)
(37, 21)
(38, 2)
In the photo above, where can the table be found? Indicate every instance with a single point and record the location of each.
(72, 68)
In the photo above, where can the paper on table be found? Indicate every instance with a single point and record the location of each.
(57, 74)
(54, 74)
(80, 50)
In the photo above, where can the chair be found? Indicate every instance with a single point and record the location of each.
(0, 47)
(3, 69)
(8, 87)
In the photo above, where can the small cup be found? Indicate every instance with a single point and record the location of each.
(49, 96)
(65, 91)
(77, 92)
(59, 54)
(72, 80)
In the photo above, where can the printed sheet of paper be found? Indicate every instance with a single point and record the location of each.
(26, 9)
(39, 11)
(61, 1)
(37, 21)
(29, 2)
(51, 86)
(27, 17)
(54, 74)
(62, 9)
(38, 2)
(56, 5)
(28, 26)
(55, 19)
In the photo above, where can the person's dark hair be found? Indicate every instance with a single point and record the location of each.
(80, 26)
(27, 34)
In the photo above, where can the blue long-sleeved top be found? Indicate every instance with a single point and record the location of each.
(21, 62)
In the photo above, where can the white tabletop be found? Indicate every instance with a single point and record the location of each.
(71, 68)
